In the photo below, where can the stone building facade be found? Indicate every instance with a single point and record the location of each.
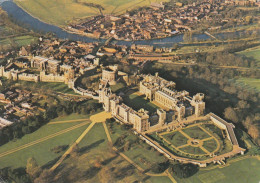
(114, 104)
(162, 92)
(109, 74)
(156, 89)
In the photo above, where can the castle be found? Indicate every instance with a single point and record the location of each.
(47, 70)
(162, 92)
(157, 89)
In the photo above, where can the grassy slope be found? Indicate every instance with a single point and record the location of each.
(41, 151)
(251, 52)
(63, 11)
(250, 83)
(246, 170)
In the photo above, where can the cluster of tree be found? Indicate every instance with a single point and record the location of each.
(93, 5)
(235, 16)
(85, 107)
(224, 58)
(36, 173)
(17, 175)
(160, 167)
(184, 170)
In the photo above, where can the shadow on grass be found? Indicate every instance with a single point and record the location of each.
(107, 161)
(51, 163)
(89, 147)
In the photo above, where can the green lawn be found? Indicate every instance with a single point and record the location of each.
(210, 145)
(196, 132)
(96, 138)
(117, 87)
(249, 83)
(19, 40)
(137, 102)
(71, 117)
(41, 152)
(159, 180)
(140, 152)
(252, 53)
(243, 171)
(176, 138)
(63, 11)
(193, 150)
(57, 87)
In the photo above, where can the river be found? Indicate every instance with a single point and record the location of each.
(26, 20)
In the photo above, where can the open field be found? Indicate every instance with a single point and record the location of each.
(252, 53)
(137, 102)
(96, 161)
(64, 11)
(249, 83)
(41, 151)
(243, 171)
(18, 40)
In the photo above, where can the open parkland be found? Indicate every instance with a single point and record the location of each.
(94, 139)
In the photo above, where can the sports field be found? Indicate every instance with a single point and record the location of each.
(64, 11)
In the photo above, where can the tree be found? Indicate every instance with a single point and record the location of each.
(247, 122)
(231, 114)
(184, 170)
(160, 167)
(45, 177)
(32, 168)
(253, 131)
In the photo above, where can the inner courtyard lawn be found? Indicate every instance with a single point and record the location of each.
(137, 102)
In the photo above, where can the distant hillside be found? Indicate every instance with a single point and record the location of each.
(61, 12)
